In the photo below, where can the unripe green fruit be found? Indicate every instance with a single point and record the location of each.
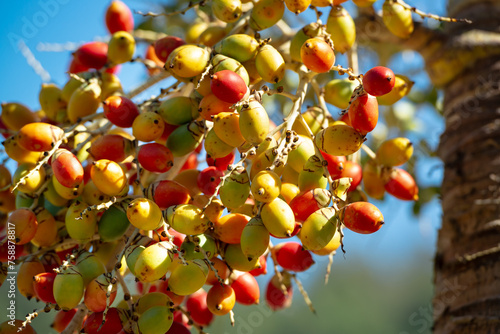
(131, 255)
(187, 61)
(154, 262)
(51, 195)
(278, 218)
(254, 238)
(178, 110)
(254, 123)
(156, 320)
(113, 224)
(235, 190)
(311, 177)
(338, 92)
(298, 156)
(80, 229)
(236, 260)
(150, 300)
(144, 214)
(68, 289)
(221, 62)
(185, 138)
(266, 13)
(227, 10)
(89, 267)
(341, 27)
(318, 229)
(270, 64)
(266, 186)
(121, 47)
(339, 139)
(187, 219)
(241, 47)
(215, 147)
(187, 279)
(397, 19)
(191, 251)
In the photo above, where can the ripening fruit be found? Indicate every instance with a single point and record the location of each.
(67, 169)
(92, 55)
(121, 47)
(291, 256)
(178, 110)
(362, 217)
(338, 92)
(317, 55)
(363, 113)
(89, 267)
(110, 85)
(227, 128)
(31, 183)
(16, 115)
(148, 126)
(210, 106)
(309, 31)
(144, 214)
(314, 118)
(212, 35)
(297, 6)
(394, 152)
(402, 185)
(119, 17)
(187, 279)
(306, 203)
(221, 163)
(354, 171)
(62, 319)
(266, 13)
(331, 247)
(111, 147)
(397, 19)
(270, 63)
(241, 47)
(221, 299)
(156, 320)
(108, 177)
(192, 245)
(402, 87)
(95, 293)
(28, 269)
(373, 183)
(154, 262)
(186, 138)
(80, 229)
(364, 3)
(51, 101)
(339, 139)
(228, 86)
(229, 227)
(187, 61)
(216, 147)
(163, 47)
(151, 299)
(236, 188)
(155, 158)
(113, 224)
(39, 137)
(25, 225)
(266, 186)
(12, 326)
(68, 288)
(166, 193)
(297, 157)
(275, 297)
(312, 175)
(318, 229)
(19, 154)
(187, 219)
(278, 218)
(196, 304)
(254, 238)
(246, 289)
(46, 232)
(378, 81)
(221, 62)
(236, 260)
(342, 29)
(84, 101)
(112, 324)
(254, 123)
(227, 10)
(208, 180)
(120, 111)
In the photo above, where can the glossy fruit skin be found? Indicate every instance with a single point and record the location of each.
(338, 92)
(62, 319)
(144, 214)
(95, 293)
(363, 113)
(112, 324)
(113, 224)
(28, 269)
(157, 319)
(318, 229)
(241, 47)
(266, 186)
(266, 13)
(88, 266)
(178, 110)
(39, 137)
(120, 111)
(187, 219)
(15, 115)
(108, 177)
(308, 202)
(43, 284)
(373, 183)
(402, 185)
(187, 61)
(270, 64)
(246, 289)
(80, 229)
(220, 163)
(362, 217)
(254, 123)
(68, 289)
(317, 55)
(355, 172)
(254, 238)
(275, 298)
(291, 256)
(397, 19)
(394, 152)
(25, 226)
(197, 305)
(227, 128)
(342, 29)
(153, 262)
(196, 272)
(155, 158)
(164, 46)
(185, 138)
(67, 169)
(112, 147)
(84, 100)
(221, 62)
(235, 259)
(148, 126)
(119, 17)
(229, 227)
(378, 81)
(222, 271)
(216, 147)
(402, 87)
(226, 10)
(51, 101)
(46, 232)
(278, 218)
(228, 86)
(92, 55)
(312, 175)
(221, 299)
(339, 139)
(166, 193)
(121, 47)
(208, 180)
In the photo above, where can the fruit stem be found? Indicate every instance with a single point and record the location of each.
(329, 266)
(304, 294)
(368, 151)
(431, 16)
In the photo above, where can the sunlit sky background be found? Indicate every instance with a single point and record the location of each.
(403, 239)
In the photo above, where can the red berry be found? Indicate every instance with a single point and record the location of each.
(166, 193)
(191, 161)
(43, 284)
(209, 179)
(120, 111)
(402, 185)
(291, 256)
(317, 55)
(67, 169)
(164, 46)
(363, 113)
(275, 298)
(197, 305)
(62, 319)
(155, 158)
(335, 164)
(76, 67)
(119, 17)
(178, 328)
(306, 203)
(362, 217)
(112, 147)
(112, 324)
(221, 163)
(228, 86)
(354, 171)
(246, 289)
(92, 55)
(262, 270)
(379, 81)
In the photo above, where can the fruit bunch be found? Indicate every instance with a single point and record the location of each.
(107, 186)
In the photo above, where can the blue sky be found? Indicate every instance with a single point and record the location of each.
(402, 238)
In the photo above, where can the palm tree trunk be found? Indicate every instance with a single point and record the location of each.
(467, 262)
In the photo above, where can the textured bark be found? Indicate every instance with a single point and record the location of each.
(467, 263)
